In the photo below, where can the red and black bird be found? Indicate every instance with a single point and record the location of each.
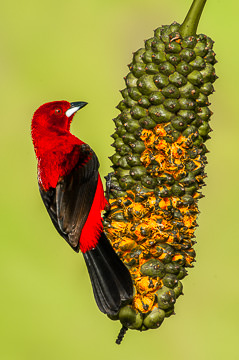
(72, 191)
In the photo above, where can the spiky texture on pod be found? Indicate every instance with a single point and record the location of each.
(158, 164)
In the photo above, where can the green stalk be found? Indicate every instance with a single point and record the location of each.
(190, 24)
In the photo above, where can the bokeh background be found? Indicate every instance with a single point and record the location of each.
(78, 50)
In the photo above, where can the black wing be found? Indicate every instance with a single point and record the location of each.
(68, 206)
(70, 202)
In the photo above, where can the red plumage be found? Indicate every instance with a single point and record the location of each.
(53, 143)
(73, 194)
(93, 225)
(58, 153)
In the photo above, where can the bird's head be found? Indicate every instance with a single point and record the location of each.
(50, 121)
(56, 115)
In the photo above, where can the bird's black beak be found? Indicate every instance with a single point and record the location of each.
(75, 106)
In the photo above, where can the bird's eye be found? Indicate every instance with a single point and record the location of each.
(58, 111)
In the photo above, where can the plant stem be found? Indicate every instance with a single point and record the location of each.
(190, 24)
(121, 334)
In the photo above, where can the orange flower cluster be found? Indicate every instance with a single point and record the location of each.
(157, 228)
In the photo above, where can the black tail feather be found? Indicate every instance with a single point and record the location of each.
(111, 280)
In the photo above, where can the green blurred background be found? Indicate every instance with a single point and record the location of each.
(76, 50)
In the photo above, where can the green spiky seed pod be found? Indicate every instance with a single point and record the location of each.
(159, 166)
